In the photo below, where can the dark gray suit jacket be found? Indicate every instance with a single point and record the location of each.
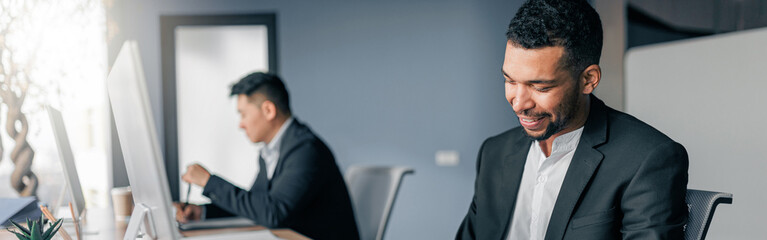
(306, 193)
(626, 180)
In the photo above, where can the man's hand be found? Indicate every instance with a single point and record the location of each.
(186, 213)
(196, 174)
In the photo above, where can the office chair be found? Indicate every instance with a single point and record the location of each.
(373, 191)
(701, 205)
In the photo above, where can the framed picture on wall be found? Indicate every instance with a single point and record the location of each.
(202, 56)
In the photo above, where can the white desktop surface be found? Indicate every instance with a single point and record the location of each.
(100, 224)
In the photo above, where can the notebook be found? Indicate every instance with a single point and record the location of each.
(18, 210)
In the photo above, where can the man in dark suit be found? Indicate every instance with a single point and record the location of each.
(575, 168)
(298, 185)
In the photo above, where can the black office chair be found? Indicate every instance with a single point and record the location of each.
(701, 205)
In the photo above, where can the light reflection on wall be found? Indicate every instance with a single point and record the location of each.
(208, 61)
(62, 45)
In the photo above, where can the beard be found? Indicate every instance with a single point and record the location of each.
(565, 111)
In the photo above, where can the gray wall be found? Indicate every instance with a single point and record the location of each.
(613, 16)
(383, 82)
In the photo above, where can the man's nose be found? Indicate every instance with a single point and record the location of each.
(522, 100)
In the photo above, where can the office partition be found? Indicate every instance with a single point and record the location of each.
(709, 94)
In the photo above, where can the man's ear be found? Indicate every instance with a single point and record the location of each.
(590, 78)
(269, 110)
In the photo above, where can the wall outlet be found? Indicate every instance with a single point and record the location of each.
(447, 158)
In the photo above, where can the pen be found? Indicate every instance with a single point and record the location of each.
(188, 191)
(50, 217)
(74, 219)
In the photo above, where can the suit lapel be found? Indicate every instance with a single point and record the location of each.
(513, 167)
(585, 162)
(290, 140)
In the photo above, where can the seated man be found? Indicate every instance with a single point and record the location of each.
(575, 168)
(298, 185)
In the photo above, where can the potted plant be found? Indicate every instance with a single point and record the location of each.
(35, 230)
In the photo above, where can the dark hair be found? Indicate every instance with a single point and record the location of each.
(572, 24)
(270, 85)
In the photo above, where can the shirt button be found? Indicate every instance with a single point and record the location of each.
(541, 179)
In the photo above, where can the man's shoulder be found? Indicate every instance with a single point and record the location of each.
(299, 133)
(504, 138)
(624, 128)
(507, 142)
(299, 137)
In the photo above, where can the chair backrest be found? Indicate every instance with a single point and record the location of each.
(373, 191)
(701, 205)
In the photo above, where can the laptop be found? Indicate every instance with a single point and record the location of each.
(213, 223)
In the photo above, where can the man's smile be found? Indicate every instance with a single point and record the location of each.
(531, 123)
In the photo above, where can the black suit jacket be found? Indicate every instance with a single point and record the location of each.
(306, 193)
(626, 180)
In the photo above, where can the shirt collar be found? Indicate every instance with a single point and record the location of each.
(274, 145)
(566, 142)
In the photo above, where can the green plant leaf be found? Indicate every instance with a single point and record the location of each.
(41, 224)
(29, 226)
(54, 233)
(56, 223)
(52, 230)
(22, 229)
(36, 233)
(20, 236)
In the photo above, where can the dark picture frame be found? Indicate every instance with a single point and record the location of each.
(168, 24)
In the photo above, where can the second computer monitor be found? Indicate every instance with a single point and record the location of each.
(67, 161)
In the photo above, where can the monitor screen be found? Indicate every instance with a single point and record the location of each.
(136, 131)
(67, 161)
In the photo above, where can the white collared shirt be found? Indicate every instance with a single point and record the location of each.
(541, 180)
(271, 151)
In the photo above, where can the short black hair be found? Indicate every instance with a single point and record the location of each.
(268, 84)
(572, 24)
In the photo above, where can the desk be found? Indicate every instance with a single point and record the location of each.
(100, 224)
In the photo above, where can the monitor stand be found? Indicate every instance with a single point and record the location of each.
(141, 223)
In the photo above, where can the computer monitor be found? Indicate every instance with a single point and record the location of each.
(153, 213)
(126, 86)
(67, 162)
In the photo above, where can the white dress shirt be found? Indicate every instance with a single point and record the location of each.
(541, 180)
(271, 151)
